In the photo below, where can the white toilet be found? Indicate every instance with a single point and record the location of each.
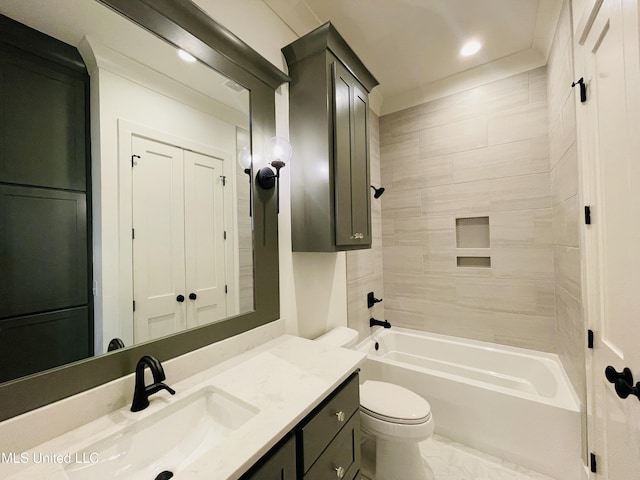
(396, 418)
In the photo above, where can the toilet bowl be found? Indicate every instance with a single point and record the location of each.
(394, 418)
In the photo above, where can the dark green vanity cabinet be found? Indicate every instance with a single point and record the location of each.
(325, 445)
(278, 464)
(45, 254)
(329, 132)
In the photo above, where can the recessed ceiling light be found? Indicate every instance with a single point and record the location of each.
(186, 56)
(470, 48)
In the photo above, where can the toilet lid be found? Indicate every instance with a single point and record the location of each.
(393, 403)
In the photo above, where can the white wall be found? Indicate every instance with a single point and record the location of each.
(313, 286)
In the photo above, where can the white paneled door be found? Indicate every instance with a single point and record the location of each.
(204, 239)
(178, 239)
(609, 128)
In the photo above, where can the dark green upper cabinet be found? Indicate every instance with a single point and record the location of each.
(329, 130)
(42, 121)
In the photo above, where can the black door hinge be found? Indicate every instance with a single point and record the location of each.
(133, 159)
(133, 234)
(224, 180)
(589, 338)
(583, 89)
(134, 305)
(587, 215)
(225, 234)
(226, 289)
(593, 463)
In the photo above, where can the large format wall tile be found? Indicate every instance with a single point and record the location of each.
(483, 152)
(518, 123)
(454, 137)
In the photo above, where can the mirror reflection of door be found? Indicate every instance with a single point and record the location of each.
(178, 237)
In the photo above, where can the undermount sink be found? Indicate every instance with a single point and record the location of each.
(167, 440)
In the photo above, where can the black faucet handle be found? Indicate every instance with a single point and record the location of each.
(156, 387)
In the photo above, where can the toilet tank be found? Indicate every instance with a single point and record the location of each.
(340, 337)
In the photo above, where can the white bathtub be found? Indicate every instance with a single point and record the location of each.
(510, 402)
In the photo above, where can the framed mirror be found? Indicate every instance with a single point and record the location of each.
(228, 92)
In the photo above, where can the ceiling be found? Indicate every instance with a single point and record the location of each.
(412, 46)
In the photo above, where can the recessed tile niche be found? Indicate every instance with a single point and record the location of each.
(473, 233)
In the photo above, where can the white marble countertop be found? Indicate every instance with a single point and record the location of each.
(284, 379)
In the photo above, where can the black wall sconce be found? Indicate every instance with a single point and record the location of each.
(278, 153)
(377, 191)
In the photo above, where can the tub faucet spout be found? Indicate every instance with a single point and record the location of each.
(373, 322)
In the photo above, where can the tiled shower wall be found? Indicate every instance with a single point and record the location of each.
(364, 267)
(566, 208)
(482, 152)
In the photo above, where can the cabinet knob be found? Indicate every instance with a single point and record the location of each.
(340, 471)
(357, 236)
(192, 296)
(180, 298)
(341, 416)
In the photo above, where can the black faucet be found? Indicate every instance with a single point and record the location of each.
(373, 322)
(142, 393)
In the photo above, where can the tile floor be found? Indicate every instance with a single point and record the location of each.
(453, 461)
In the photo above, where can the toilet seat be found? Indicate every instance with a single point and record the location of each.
(393, 403)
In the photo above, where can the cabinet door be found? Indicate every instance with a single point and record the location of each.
(351, 160)
(43, 250)
(158, 244)
(278, 464)
(360, 184)
(42, 122)
(34, 343)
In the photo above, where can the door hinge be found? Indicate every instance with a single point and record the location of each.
(583, 89)
(226, 289)
(593, 463)
(134, 305)
(133, 160)
(225, 234)
(224, 180)
(133, 233)
(589, 338)
(587, 215)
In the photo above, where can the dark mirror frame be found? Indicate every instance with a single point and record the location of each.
(184, 25)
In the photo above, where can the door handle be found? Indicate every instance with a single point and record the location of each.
(623, 382)
(613, 376)
(180, 298)
(192, 296)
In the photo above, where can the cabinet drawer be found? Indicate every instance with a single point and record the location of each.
(341, 459)
(325, 424)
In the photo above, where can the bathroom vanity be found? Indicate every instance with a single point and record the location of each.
(325, 444)
(285, 409)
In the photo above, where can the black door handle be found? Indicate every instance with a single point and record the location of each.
(180, 298)
(192, 296)
(623, 382)
(612, 375)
